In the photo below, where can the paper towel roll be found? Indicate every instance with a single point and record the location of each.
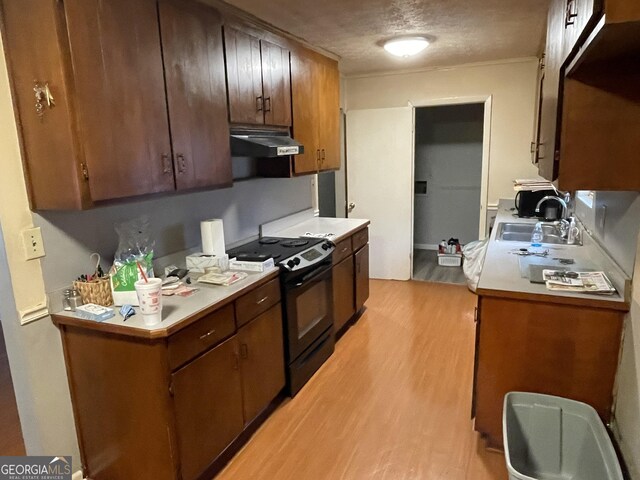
(212, 237)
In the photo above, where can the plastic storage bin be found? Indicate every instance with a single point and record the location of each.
(554, 438)
(449, 259)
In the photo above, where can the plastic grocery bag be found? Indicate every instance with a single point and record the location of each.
(474, 253)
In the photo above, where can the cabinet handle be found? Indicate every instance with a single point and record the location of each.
(236, 361)
(166, 164)
(475, 315)
(259, 103)
(208, 334)
(244, 350)
(323, 156)
(318, 158)
(182, 167)
(570, 16)
(344, 249)
(262, 300)
(267, 104)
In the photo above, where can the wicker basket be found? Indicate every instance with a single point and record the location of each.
(95, 291)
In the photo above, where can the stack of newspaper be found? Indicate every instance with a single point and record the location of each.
(532, 185)
(579, 282)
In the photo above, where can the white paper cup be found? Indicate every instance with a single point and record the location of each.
(150, 299)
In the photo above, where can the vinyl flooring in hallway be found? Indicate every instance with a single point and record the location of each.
(426, 268)
(392, 403)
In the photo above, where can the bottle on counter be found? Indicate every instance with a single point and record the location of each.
(537, 235)
(71, 300)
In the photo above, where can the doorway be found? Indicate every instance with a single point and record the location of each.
(448, 184)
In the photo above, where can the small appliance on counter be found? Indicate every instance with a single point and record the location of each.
(306, 284)
(527, 200)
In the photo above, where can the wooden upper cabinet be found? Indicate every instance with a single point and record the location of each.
(258, 79)
(244, 77)
(119, 95)
(194, 71)
(547, 157)
(276, 84)
(578, 15)
(315, 87)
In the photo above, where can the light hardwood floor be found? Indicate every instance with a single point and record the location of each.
(392, 403)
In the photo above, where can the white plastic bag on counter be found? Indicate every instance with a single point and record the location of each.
(474, 253)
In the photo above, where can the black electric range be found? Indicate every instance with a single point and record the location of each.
(307, 300)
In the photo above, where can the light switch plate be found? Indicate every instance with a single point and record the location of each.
(33, 245)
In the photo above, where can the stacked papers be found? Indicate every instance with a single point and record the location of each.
(532, 185)
(578, 282)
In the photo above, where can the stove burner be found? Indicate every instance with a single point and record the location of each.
(268, 241)
(294, 243)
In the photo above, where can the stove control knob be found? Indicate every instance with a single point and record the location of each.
(291, 264)
(296, 260)
(326, 246)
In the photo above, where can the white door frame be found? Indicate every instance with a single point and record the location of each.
(486, 155)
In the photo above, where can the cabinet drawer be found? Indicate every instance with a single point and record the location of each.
(198, 337)
(360, 239)
(342, 251)
(257, 301)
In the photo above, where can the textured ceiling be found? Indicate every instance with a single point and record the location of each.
(462, 31)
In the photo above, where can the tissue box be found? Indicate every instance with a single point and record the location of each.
(199, 262)
(91, 311)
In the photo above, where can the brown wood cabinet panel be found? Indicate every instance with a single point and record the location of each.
(551, 87)
(276, 84)
(342, 251)
(362, 276)
(537, 347)
(200, 336)
(262, 361)
(48, 143)
(120, 96)
(244, 77)
(257, 301)
(578, 16)
(330, 117)
(305, 102)
(196, 93)
(121, 405)
(207, 394)
(343, 292)
(360, 239)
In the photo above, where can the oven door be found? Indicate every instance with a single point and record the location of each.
(309, 307)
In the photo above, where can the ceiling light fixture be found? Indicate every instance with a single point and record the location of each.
(406, 46)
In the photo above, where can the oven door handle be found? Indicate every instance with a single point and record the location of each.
(313, 275)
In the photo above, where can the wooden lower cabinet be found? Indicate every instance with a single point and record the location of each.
(362, 276)
(350, 278)
(262, 361)
(343, 293)
(207, 396)
(172, 404)
(531, 346)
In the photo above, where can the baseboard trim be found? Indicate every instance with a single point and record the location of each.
(425, 246)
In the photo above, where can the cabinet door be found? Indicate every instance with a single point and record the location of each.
(120, 96)
(343, 292)
(208, 406)
(262, 353)
(362, 276)
(196, 93)
(549, 124)
(244, 77)
(304, 98)
(276, 84)
(577, 16)
(330, 118)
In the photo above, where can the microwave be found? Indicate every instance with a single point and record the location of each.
(526, 202)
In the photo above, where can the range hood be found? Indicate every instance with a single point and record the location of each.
(263, 143)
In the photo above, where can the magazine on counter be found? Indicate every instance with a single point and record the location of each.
(579, 282)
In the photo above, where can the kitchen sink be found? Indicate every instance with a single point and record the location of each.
(521, 232)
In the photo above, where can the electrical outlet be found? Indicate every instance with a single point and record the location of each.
(32, 241)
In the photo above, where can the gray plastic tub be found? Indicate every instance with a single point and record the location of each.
(554, 438)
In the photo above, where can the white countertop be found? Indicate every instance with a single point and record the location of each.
(176, 309)
(501, 270)
(338, 227)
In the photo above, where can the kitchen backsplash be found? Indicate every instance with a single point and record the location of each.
(70, 237)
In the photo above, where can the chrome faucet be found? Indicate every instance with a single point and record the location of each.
(557, 199)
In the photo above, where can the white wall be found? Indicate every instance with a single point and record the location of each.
(513, 88)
